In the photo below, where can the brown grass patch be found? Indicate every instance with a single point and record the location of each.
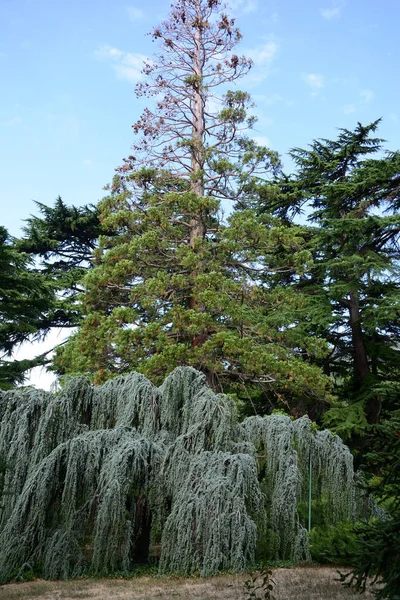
(302, 583)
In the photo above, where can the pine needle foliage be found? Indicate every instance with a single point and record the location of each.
(96, 479)
(61, 240)
(351, 188)
(40, 280)
(25, 298)
(176, 283)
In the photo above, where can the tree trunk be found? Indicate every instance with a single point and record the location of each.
(197, 229)
(361, 366)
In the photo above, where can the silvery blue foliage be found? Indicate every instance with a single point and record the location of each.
(95, 479)
(287, 447)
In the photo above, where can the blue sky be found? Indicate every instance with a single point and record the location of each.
(68, 71)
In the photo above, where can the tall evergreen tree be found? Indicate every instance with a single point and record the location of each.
(41, 279)
(61, 241)
(353, 199)
(25, 298)
(178, 285)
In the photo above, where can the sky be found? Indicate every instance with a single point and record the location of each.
(68, 72)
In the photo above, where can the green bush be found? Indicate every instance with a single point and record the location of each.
(333, 544)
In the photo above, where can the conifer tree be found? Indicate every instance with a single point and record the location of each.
(25, 298)
(353, 285)
(41, 281)
(178, 285)
(61, 241)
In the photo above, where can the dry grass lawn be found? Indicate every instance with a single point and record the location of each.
(306, 583)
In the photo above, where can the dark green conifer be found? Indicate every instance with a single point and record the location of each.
(351, 189)
(24, 300)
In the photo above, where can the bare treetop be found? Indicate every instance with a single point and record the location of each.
(196, 127)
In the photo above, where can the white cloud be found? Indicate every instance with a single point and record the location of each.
(367, 96)
(262, 140)
(263, 121)
(334, 11)
(108, 52)
(39, 377)
(314, 81)
(393, 117)
(263, 57)
(135, 14)
(274, 17)
(267, 99)
(264, 54)
(88, 162)
(243, 6)
(349, 109)
(330, 13)
(127, 66)
(11, 122)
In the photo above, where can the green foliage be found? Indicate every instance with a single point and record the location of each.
(178, 284)
(139, 314)
(65, 233)
(40, 280)
(346, 419)
(85, 482)
(62, 240)
(334, 544)
(24, 574)
(376, 557)
(376, 554)
(285, 448)
(25, 298)
(352, 286)
(3, 469)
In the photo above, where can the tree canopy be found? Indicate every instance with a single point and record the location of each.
(352, 198)
(25, 297)
(41, 279)
(177, 284)
(61, 240)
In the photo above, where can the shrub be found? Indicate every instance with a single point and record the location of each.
(333, 544)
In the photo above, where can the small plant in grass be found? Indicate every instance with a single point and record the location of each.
(24, 574)
(260, 585)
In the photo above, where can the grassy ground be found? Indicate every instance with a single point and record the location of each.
(311, 583)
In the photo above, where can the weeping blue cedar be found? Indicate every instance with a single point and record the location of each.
(93, 480)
